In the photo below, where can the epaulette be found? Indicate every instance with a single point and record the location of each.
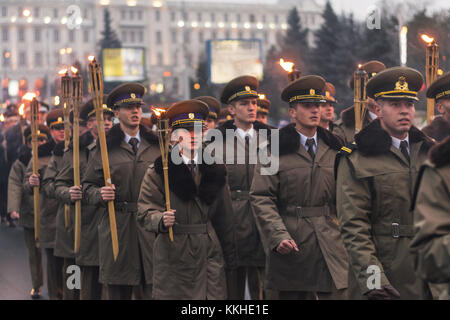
(344, 152)
(348, 149)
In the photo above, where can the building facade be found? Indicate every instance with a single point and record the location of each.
(38, 38)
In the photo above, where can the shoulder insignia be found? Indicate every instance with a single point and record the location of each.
(348, 149)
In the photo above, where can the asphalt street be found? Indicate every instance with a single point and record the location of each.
(15, 279)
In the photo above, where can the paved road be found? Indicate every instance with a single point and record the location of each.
(15, 279)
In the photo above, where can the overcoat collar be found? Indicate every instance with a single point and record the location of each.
(181, 182)
(116, 136)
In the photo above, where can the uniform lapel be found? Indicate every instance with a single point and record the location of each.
(322, 148)
(398, 153)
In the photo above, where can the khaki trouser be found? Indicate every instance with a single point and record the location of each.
(91, 288)
(119, 292)
(236, 283)
(34, 258)
(143, 292)
(69, 294)
(54, 275)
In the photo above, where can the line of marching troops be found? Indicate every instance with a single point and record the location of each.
(340, 206)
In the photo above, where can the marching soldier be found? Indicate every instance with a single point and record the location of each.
(432, 220)
(263, 109)
(193, 265)
(20, 206)
(439, 90)
(50, 158)
(131, 149)
(87, 257)
(327, 108)
(345, 127)
(375, 179)
(295, 208)
(214, 111)
(241, 97)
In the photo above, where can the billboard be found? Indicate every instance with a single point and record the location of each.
(229, 59)
(124, 64)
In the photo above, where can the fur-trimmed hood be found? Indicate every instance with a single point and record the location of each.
(440, 153)
(115, 136)
(85, 140)
(373, 140)
(290, 139)
(46, 149)
(181, 182)
(24, 154)
(256, 125)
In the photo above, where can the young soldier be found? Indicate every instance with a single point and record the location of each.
(20, 206)
(131, 149)
(432, 221)
(327, 108)
(295, 208)
(50, 157)
(263, 109)
(345, 127)
(214, 111)
(439, 90)
(240, 95)
(374, 190)
(193, 265)
(87, 257)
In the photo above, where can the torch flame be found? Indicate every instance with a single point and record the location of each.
(261, 96)
(62, 72)
(2, 117)
(74, 70)
(427, 39)
(286, 65)
(359, 66)
(158, 112)
(29, 96)
(21, 109)
(91, 58)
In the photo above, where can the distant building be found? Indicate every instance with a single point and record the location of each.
(38, 38)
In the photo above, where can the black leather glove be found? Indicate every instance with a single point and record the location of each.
(387, 292)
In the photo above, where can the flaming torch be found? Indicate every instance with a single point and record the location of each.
(431, 67)
(22, 120)
(77, 97)
(66, 88)
(164, 142)
(360, 97)
(96, 85)
(289, 67)
(34, 147)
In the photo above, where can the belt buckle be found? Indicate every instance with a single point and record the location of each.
(298, 211)
(395, 230)
(238, 194)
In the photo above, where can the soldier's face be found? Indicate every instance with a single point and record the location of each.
(326, 112)
(129, 116)
(443, 106)
(190, 140)
(57, 133)
(397, 116)
(210, 123)
(306, 114)
(244, 110)
(108, 121)
(262, 117)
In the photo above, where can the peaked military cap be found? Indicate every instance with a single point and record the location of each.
(395, 83)
(330, 92)
(125, 94)
(305, 89)
(55, 117)
(440, 88)
(240, 88)
(88, 110)
(213, 105)
(263, 104)
(186, 114)
(372, 68)
(43, 132)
